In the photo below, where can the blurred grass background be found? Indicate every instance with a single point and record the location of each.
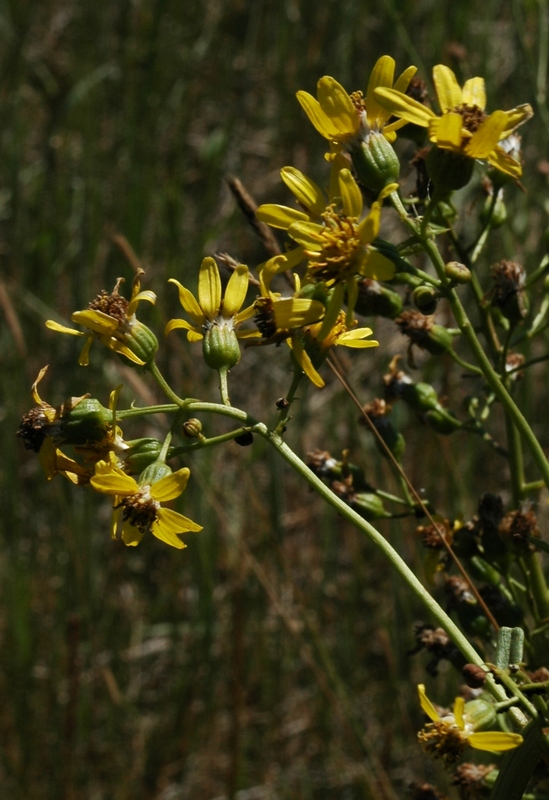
(268, 660)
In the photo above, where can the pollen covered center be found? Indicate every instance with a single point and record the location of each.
(472, 116)
(113, 304)
(339, 243)
(443, 739)
(140, 509)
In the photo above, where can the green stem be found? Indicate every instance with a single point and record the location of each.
(134, 413)
(164, 385)
(223, 386)
(465, 364)
(290, 397)
(538, 586)
(199, 444)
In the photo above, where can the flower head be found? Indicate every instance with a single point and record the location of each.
(447, 735)
(279, 318)
(346, 120)
(215, 318)
(111, 319)
(463, 127)
(137, 505)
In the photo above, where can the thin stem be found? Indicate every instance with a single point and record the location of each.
(462, 363)
(199, 444)
(290, 397)
(224, 386)
(164, 385)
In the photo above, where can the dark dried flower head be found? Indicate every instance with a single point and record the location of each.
(474, 676)
(432, 535)
(513, 363)
(416, 326)
(508, 290)
(424, 791)
(516, 527)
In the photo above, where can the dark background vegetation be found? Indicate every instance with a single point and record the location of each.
(268, 660)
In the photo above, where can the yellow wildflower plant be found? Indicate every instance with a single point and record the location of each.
(346, 120)
(447, 735)
(111, 319)
(137, 507)
(463, 127)
(310, 350)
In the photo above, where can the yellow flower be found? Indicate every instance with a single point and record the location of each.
(111, 319)
(346, 120)
(311, 348)
(45, 426)
(340, 250)
(463, 126)
(447, 736)
(278, 318)
(139, 505)
(212, 309)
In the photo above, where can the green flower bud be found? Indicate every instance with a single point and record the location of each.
(369, 506)
(220, 347)
(154, 473)
(497, 216)
(457, 273)
(480, 713)
(192, 429)
(140, 340)
(376, 162)
(376, 300)
(425, 299)
(141, 454)
(449, 171)
(88, 421)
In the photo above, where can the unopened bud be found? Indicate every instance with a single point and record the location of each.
(192, 429)
(425, 299)
(376, 162)
(457, 273)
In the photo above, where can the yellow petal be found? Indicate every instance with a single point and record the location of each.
(295, 312)
(131, 536)
(114, 482)
(84, 357)
(96, 321)
(351, 196)
(474, 93)
(501, 160)
(307, 234)
(487, 136)
(317, 116)
(305, 191)
(356, 338)
(337, 105)
(369, 227)
(173, 324)
(150, 297)
(209, 288)
(426, 704)
(119, 347)
(235, 291)
(171, 486)
(515, 117)
(403, 106)
(459, 705)
(381, 76)
(35, 395)
(55, 326)
(177, 522)
(279, 216)
(446, 131)
(404, 80)
(246, 313)
(494, 741)
(47, 456)
(448, 91)
(378, 267)
(189, 303)
(304, 361)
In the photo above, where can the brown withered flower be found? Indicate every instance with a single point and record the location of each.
(508, 292)
(516, 527)
(471, 777)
